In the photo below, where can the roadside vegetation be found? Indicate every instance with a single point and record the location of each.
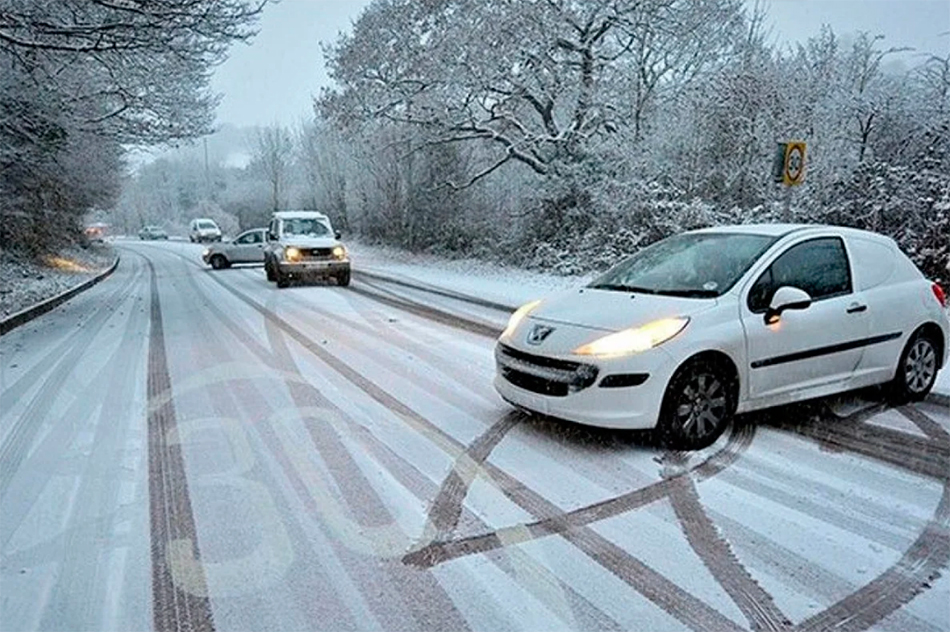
(81, 80)
(553, 135)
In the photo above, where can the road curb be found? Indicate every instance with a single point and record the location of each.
(28, 314)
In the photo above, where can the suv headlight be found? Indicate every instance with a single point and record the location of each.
(635, 339)
(292, 254)
(339, 252)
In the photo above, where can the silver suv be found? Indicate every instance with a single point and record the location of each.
(303, 245)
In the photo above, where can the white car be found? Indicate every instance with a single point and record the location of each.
(248, 247)
(203, 229)
(709, 323)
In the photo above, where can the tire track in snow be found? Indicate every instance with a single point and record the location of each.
(64, 358)
(580, 610)
(573, 526)
(424, 602)
(813, 420)
(680, 604)
(557, 521)
(717, 555)
(919, 566)
(172, 524)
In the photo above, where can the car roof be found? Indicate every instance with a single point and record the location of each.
(783, 230)
(299, 215)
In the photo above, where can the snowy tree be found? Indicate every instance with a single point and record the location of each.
(272, 158)
(81, 78)
(545, 94)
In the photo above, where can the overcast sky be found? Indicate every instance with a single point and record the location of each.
(275, 77)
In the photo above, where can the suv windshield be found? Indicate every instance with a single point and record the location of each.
(207, 225)
(696, 265)
(305, 226)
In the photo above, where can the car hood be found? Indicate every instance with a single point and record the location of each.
(606, 310)
(310, 242)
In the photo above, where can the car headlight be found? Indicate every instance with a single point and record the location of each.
(292, 254)
(518, 316)
(339, 252)
(635, 339)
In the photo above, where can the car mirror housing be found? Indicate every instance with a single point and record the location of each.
(337, 235)
(786, 297)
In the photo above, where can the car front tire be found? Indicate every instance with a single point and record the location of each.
(343, 279)
(269, 271)
(282, 279)
(916, 370)
(218, 262)
(699, 404)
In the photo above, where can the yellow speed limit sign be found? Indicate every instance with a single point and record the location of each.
(793, 168)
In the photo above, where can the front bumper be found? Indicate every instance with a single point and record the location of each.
(547, 386)
(300, 269)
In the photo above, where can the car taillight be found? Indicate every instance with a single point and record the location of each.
(939, 293)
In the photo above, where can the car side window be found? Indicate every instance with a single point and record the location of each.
(818, 266)
(246, 239)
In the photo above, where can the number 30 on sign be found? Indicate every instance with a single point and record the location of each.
(789, 164)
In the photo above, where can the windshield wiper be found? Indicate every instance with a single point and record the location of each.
(690, 293)
(617, 287)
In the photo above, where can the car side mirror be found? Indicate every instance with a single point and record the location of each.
(271, 237)
(337, 235)
(786, 297)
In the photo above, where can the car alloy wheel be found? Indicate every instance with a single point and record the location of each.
(218, 262)
(698, 405)
(920, 367)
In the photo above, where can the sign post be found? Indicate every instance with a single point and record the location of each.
(788, 168)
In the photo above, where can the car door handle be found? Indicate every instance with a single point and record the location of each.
(854, 308)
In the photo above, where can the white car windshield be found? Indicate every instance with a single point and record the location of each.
(207, 225)
(694, 265)
(305, 227)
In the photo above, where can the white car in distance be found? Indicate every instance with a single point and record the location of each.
(700, 326)
(203, 229)
(248, 247)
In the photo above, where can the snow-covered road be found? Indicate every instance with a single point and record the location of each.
(183, 448)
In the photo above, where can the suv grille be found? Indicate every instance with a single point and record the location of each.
(316, 253)
(539, 374)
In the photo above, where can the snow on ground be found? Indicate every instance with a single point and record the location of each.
(492, 281)
(25, 282)
(942, 385)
